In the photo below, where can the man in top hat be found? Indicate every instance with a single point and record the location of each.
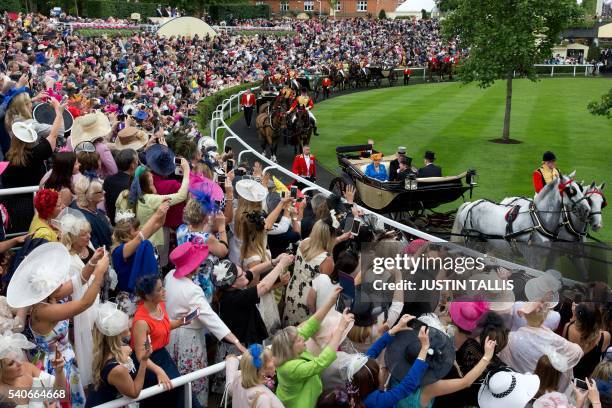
(394, 165)
(304, 165)
(430, 169)
(248, 101)
(304, 101)
(547, 172)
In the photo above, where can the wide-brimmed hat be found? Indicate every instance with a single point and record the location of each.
(187, 258)
(38, 275)
(467, 314)
(131, 138)
(141, 115)
(251, 190)
(24, 131)
(544, 287)
(110, 320)
(90, 127)
(508, 389)
(45, 113)
(160, 159)
(405, 347)
(429, 155)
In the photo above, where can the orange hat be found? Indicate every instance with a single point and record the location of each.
(376, 156)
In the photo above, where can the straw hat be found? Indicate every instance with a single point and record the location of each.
(508, 389)
(39, 275)
(131, 138)
(251, 190)
(24, 131)
(90, 127)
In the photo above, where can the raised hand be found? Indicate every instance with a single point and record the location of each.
(489, 348)
(424, 337)
(402, 324)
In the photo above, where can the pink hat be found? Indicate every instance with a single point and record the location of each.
(467, 314)
(3, 166)
(187, 258)
(414, 246)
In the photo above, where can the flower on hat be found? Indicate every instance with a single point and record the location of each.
(13, 344)
(41, 283)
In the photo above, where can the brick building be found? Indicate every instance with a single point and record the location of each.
(344, 8)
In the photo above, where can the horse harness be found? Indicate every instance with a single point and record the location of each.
(534, 213)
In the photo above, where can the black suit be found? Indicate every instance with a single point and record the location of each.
(113, 186)
(403, 175)
(394, 166)
(431, 170)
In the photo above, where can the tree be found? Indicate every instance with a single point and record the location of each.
(603, 107)
(506, 38)
(447, 5)
(382, 15)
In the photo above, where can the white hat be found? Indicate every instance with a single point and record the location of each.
(38, 275)
(251, 190)
(110, 320)
(536, 289)
(205, 142)
(508, 389)
(24, 131)
(70, 221)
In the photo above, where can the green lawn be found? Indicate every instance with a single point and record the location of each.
(457, 121)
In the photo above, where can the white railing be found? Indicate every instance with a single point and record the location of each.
(588, 68)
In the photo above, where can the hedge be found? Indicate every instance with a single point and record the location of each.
(220, 12)
(12, 5)
(209, 104)
(118, 9)
(109, 32)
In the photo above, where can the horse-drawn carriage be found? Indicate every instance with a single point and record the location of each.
(377, 74)
(413, 196)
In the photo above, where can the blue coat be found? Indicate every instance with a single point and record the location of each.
(381, 174)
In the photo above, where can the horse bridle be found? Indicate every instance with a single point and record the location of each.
(600, 193)
(565, 187)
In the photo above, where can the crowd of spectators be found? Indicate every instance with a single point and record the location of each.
(152, 253)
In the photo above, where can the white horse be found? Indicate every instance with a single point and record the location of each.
(572, 227)
(536, 221)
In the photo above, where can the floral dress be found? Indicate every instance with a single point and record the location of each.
(202, 278)
(46, 344)
(188, 350)
(296, 307)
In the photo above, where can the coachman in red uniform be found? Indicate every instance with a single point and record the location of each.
(304, 101)
(304, 165)
(326, 85)
(407, 73)
(248, 102)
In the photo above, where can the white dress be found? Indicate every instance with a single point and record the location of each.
(83, 322)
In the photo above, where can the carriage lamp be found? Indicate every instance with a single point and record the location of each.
(410, 182)
(472, 177)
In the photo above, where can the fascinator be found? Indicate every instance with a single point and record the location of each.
(13, 344)
(110, 320)
(135, 193)
(256, 351)
(70, 221)
(224, 274)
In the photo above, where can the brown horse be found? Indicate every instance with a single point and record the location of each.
(302, 130)
(269, 125)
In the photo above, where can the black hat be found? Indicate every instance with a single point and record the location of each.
(549, 156)
(401, 353)
(429, 155)
(45, 113)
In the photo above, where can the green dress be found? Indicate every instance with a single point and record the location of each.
(299, 381)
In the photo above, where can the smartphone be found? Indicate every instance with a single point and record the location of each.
(220, 179)
(348, 224)
(192, 315)
(229, 166)
(416, 324)
(347, 282)
(355, 227)
(581, 384)
(344, 302)
(294, 190)
(177, 161)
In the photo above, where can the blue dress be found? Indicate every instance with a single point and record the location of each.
(381, 174)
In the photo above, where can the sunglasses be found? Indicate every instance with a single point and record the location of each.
(87, 147)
